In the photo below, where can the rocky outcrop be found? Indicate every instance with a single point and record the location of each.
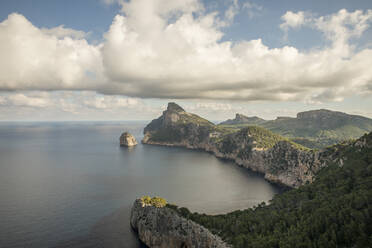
(126, 139)
(162, 227)
(280, 160)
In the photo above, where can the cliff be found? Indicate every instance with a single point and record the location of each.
(162, 227)
(280, 160)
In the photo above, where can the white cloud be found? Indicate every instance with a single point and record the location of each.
(292, 20)
(71, 103)
(23, 100)
(252, 9)
(232, 11)
(33, 58)
(186, 59)
(62, 32)
(338, 28)
(173, 49)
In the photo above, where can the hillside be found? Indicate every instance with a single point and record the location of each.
(333, 211)
(317, 128)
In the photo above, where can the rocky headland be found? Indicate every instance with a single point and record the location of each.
(279, 159)
(127, 139)
(161, 227)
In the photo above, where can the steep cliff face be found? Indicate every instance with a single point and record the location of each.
(256, 148)
(163, 227)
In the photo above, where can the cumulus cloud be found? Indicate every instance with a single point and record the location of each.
(292, 20)
(174, 49)
(33, 58)
(186, 59)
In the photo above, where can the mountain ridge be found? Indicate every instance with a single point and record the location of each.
(316, 128)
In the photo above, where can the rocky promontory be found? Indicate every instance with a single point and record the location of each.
(161, 227)
(127, 139)
(279, 159)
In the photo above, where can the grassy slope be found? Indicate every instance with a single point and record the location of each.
(333, 211)
(315, 134)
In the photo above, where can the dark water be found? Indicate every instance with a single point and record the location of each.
(71, 185)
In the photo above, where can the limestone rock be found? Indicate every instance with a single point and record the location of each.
(164, 228)
(127, 139)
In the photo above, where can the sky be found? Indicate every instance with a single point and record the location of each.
(126, 59)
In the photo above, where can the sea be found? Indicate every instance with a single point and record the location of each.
(70, 184)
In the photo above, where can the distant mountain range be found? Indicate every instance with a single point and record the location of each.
(242, 119)
(313, 129)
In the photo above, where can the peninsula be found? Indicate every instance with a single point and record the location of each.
(279, 159)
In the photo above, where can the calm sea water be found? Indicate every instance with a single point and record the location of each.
(71, 185)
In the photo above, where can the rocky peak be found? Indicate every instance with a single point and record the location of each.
(174, 107)
(240, 116)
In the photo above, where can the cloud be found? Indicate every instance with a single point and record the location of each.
(232, 11)
(292, 20)
(67, 104)
(48, 59)
(252, 9)
(338, 28)
(174, 49)
(62, 32)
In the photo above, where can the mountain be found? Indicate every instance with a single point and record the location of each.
(242, 119)
(333, 211)
(174, 124)
(318, 128)
(279, 159)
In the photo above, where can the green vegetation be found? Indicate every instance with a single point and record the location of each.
(154, 201)
(334, 211)
(166, 135)
(253, 137)
(264, 138)
(317, 128)
(192, 118)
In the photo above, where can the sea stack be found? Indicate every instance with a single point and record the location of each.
(127, 139)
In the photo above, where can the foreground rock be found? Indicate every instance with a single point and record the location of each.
(162, 227)
(256, 148)
(126, 139)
